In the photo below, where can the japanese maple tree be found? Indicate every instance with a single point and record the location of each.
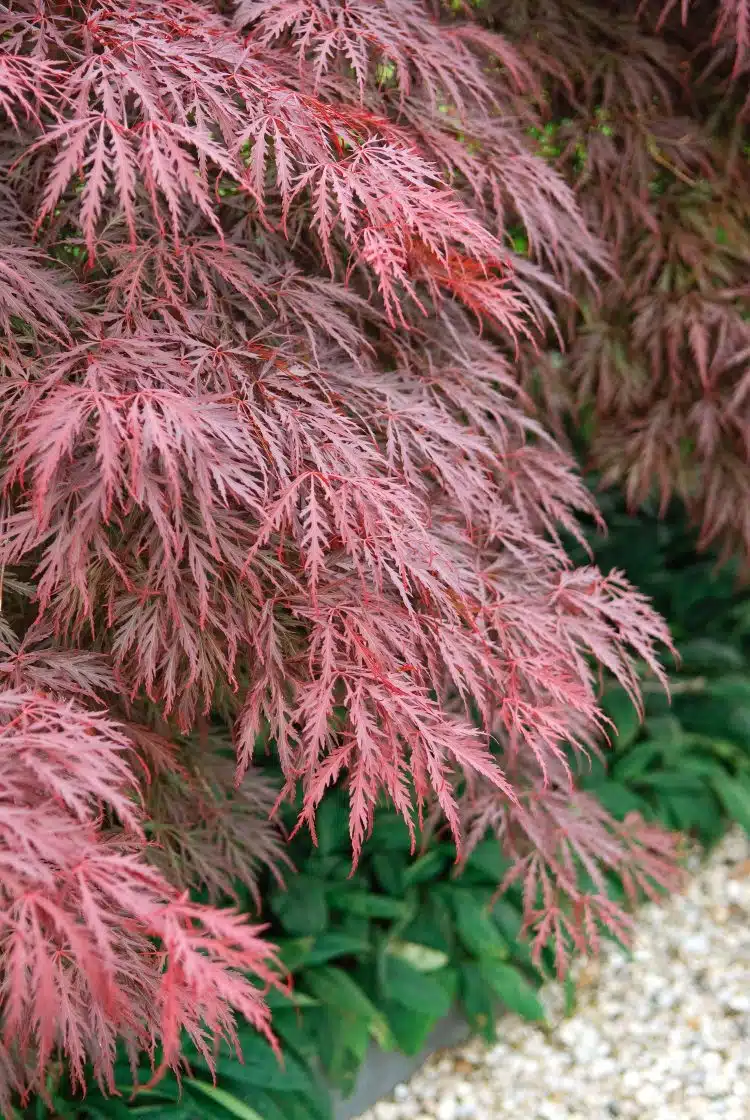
(647, 118)
(266, 465)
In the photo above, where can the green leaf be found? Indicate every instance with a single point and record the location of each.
(269, 1107)
(570, 996)
(260, 1067)
(419, 991)
(618, 799)
(631, 764)
(333, 944)
(739, 725)
(343, 1044)
(734, 795)
(390, 833)
(177, 1110)
(366, 905)
(335, 988)
(692, 812)
(302, 907)
(618, 706)
(308, 1109)
(511, 987)
(332, 868)
(707, 716)
(487, 862)
(354, 925)
(410, 1028)
(280, 999)
(509, 921)
(315, 1105)
(310, 951)
(706, 653)
(448, 980)
(432, 924)
(389, 870)
(427, 867)
(671, 781)
(338, 991)
(592, 770)
(294, 1031)
(733, 689)
(421, 957)
(293, 953)
(702, 766)
(99, 1107)
(220, 1103)
(665, 729)
(475, 927)
(332, 824)
(476, 997)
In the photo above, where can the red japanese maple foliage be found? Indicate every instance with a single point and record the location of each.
(264, 454)
(648, 107)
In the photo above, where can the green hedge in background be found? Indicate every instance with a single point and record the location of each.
(383, 955)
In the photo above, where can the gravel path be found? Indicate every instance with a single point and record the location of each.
(662, 1034)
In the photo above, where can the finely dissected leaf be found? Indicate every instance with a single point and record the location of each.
(95, 943)
(659, 360)
(566, 844)
(209, 834)
(279, 287)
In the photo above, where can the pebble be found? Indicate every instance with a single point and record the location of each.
(660, 1033)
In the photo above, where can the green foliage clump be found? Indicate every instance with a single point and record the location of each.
(687, 764)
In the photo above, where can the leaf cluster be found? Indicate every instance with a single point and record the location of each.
(647, 116)
(380, 956)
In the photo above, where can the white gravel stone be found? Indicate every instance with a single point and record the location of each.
(662, 1033)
